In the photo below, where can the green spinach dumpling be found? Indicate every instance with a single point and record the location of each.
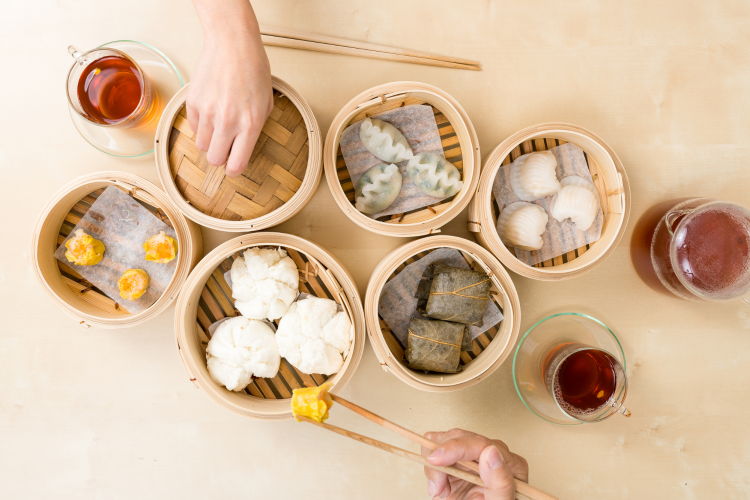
(384, 140)
(434, 175)
(377, 188)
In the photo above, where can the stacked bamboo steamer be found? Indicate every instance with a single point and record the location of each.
(458, 138)
(461, 147)
(608, 175)
(206, 298)
(67, 289)
(282, 176)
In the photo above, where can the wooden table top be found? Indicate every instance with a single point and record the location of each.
(112, 414)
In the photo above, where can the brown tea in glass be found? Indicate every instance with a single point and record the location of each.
(109, 89)
(697, 249)
(584, 380)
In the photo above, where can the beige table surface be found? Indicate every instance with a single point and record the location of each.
(101, 414)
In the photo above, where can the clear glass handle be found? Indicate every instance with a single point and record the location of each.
(672, 217)
(77, 55)
(619, 408)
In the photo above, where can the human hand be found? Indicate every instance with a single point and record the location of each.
(230, 95)
(497, 467)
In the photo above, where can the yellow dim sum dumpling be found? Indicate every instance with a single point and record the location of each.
(83, 249)
(312, 402)
(577, 200)
(533, 176)
(132, 284)
(160, 248)
(521, 225)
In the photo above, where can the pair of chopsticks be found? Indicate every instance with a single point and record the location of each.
(321, 43)
(523, 490)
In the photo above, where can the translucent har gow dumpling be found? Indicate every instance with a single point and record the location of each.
(521, 225)
(378, 188)
(533, 176)
(577, 200)
(384, 141)
(434, 175)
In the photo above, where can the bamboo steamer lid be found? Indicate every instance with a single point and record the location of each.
(206, 298)
(490, 349)
(68, 290)
(283, 173)
(459, 141)
(610, 180)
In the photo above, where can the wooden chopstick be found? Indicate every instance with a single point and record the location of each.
(292, 43)
(524, 491)
(342, 42)
(453, 471)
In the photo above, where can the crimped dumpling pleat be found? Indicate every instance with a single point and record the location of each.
(521, 225)
(434, 175)
(384, 140)
(378, 188)
(577, 200)
(535, 176)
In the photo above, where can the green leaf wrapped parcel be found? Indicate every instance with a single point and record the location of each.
(436, 345)
(453, 294)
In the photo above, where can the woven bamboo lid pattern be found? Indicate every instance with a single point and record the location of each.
(282, 174)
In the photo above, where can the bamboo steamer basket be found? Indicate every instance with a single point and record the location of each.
(283, 173)
(73, 294)
(490, 348)
(459, 141)
(610, 180)
(206, 298)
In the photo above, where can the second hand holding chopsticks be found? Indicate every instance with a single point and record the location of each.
(523, 490)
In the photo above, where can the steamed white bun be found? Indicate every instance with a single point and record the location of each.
(264, 283)
(240, 348)
(314, 337)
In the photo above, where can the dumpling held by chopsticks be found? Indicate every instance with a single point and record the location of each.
(312, 402)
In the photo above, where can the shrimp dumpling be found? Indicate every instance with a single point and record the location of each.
(384, 140)
(434, 175)
(577, 200)
(378, 188)
(521, 225)
(534, 177)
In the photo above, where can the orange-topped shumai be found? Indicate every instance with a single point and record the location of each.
(83, 249)
(160, 248)
(132, 284)
(312, 402)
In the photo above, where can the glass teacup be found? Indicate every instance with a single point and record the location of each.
(569, 369)
(109, 89)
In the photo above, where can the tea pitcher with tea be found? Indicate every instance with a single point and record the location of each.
(698, 249)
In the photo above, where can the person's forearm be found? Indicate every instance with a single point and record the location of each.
(228, 20)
